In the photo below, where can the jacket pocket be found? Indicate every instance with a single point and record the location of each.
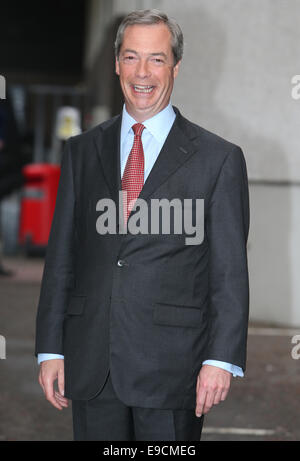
(76, 305)
(180, 316)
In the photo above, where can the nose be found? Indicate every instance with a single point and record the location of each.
(142, 69)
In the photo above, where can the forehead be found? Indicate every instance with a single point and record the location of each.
(152, 38)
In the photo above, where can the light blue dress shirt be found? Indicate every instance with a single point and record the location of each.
(154, 135)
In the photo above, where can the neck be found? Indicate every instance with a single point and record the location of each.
(141, 117)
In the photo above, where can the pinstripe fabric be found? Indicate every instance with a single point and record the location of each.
(133, 177)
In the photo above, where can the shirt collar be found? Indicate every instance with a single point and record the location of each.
(159, 125)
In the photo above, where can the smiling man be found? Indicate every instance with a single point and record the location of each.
(144, 332)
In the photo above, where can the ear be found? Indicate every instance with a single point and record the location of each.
(176, 69)
(117, 66)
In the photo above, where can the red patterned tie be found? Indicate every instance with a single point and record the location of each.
(133, 177)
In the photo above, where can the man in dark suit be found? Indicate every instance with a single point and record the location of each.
(145, 330)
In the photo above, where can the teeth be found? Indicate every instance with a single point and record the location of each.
(143, 88)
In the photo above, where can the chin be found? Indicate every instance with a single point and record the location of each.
(142, 107)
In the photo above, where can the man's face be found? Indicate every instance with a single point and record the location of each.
(146, 69)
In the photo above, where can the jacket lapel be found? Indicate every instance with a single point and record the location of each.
(175, 151)
(108, 149)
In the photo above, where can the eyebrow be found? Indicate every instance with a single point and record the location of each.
(161, 53)
(128, 50)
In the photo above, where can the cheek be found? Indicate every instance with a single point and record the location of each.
(167, 79)
(125, 76)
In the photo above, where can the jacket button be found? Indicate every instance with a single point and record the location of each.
(121, 263)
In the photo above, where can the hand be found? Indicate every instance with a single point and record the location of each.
(212, 387)
(50, 370)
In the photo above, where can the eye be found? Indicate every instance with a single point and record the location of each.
(157, 61)
(129, 58)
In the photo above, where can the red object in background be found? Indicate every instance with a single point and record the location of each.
(38, 203)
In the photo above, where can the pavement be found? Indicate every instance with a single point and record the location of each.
(262, 406)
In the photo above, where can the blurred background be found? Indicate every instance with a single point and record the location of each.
(240, 57)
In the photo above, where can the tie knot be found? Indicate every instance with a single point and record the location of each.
(138, 129)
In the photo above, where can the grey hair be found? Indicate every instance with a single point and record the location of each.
(149, 17)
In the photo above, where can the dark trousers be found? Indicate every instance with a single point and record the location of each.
(106, 418)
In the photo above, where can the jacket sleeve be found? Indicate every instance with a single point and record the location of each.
(227, 230)
(58, 274)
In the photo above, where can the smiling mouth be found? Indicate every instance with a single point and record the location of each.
(144, 89)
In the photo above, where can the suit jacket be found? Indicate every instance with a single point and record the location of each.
(148, 308)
